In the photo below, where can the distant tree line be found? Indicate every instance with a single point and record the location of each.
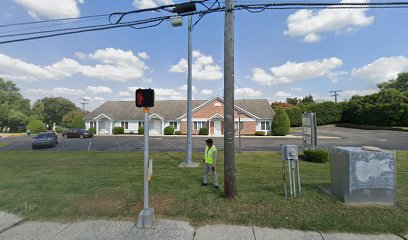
(16, 112)
(388, 107)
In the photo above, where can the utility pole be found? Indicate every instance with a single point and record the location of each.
(84, 102)
(189, 160)
(230, 183)
(335, 94)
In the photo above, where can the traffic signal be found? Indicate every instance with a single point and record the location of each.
(144, 98)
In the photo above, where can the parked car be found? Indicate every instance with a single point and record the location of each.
(77, 133)
(45, 139)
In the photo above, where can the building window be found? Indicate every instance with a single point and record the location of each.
(199, 125)
(92, 125)
(265, 126)
(241, 124)
(141, 124)
(173, 124)
(124, 125)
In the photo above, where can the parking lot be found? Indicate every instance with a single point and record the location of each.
(328, 136)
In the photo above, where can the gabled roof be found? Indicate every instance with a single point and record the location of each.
(174, 109)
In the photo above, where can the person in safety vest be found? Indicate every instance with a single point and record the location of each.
(210, 156)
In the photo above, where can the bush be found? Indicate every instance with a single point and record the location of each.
(140, 131)
(295, 116)
(74, 119)
(118, 130)
(317, 155)
(169, 130)
(93, 130)
(259, 133)
(177, 132)
(36, 126)
(281, 123)
(59, 129)
(326, 112)
(203, 131)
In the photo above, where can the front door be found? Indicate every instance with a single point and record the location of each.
(217, 128)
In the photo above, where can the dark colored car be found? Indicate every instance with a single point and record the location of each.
(45, 139)
(77, 133)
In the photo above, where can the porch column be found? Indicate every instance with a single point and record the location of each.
(111, 125)
(162, 121)
(97, 127)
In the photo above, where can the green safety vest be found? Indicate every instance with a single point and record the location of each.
(208, 155)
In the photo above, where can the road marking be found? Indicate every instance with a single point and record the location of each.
(89, 147)
(381, 140)
(119, 146)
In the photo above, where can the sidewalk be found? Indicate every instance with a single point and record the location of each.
(13, 227)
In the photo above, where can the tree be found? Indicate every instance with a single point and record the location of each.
(14, 109)
(54, 109)
(399, 84)
(281, 123)
(293, 101)
(36, 126)
(74, 120)
(281, 105)
(308, 99)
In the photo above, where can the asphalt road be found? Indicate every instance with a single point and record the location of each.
(329, 136)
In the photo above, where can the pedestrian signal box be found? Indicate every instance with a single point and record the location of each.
(144, 98)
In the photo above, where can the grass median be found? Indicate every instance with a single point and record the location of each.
(67, 186)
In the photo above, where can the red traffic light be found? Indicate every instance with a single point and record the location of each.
(144, 98)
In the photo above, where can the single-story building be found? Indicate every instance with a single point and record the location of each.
(254, 115)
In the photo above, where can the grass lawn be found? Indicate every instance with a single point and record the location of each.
(66, 186)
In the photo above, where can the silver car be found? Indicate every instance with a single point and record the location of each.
(45, 139)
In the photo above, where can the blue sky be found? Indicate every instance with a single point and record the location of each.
(278, 54)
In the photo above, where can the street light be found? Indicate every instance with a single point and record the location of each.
(175, 21)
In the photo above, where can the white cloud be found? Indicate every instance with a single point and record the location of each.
(207, 92)
(297, 89)
(283, 94)
(125, 94)
(112, 64)
(169, 94)
(142, 4)
(51, 8)
(204, 67)
(97, 99)
(309, 24)
(335, 77)
(143, 55)
(80, 55)
(184, 88)
(382, 69)
(247, 92)
(99, 90)
(349, 93)
(293, 71)
(59, 91)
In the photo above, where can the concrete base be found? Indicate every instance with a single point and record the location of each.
(146, 218)
(192, 165)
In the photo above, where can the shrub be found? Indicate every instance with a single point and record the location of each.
(118, 130)
(74, 119)
(259, 133)
(36, 126)
(281, 123)
(177, 132)
(140, 131)
(93, 130)
(317, 155)
(203, 131)
(295, 116)
(326, 112)
(59, 129)
(169, 130)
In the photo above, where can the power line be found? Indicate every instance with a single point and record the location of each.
(253, 8)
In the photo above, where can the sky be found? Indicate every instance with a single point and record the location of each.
(278, 53)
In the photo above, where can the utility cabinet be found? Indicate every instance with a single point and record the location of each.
(361, 176)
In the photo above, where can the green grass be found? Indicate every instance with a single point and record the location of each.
(66, 186)
(4, 144)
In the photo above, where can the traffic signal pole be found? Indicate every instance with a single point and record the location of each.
(146, 216)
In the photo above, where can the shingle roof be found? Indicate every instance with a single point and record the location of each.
(172, 109)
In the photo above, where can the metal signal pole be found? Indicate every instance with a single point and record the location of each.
(189, 160)
(230, 183)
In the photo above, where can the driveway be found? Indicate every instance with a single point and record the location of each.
(328, 136)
